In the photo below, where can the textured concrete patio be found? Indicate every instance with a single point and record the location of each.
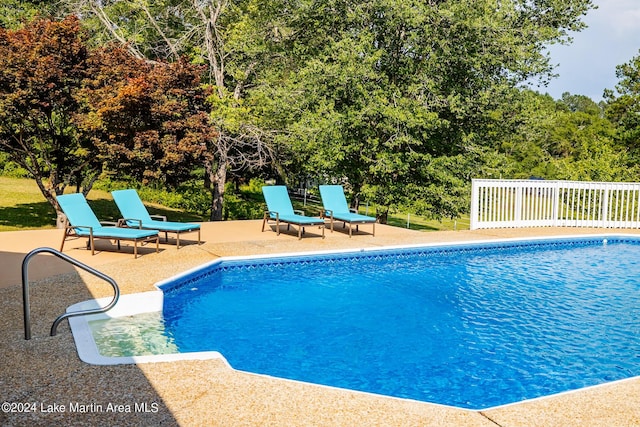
(45, 373)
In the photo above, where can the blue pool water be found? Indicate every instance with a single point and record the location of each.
(473, 326)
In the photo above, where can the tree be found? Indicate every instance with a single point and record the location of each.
(42, 67)
(151, 118)
(66, 110)
(624, 110)
(230, 38)
(565, 139)
(405, 100)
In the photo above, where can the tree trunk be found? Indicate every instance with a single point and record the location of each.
(217, 181)
(49, 191)
(382, 216)
(355, 199)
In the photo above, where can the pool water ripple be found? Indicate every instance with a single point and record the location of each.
(474, 328)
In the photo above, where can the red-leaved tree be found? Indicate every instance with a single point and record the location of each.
(67, 111)
(151, 118)
(42, 69)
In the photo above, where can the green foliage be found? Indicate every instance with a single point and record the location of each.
(624, 110)
(10, 168)
(244, 201)
(241, 201)
(233, 40)
(14, 13)
(405, 100)
(566, 139)
(190, 197)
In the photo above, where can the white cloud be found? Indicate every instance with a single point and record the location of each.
(587, 66)
(620, 16)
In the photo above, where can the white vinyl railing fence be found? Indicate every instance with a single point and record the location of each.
(498, 203)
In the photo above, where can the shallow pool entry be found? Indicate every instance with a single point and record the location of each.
(473, 326)
(139, 335)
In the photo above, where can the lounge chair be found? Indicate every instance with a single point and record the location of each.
(336, 209)
(82, 222)
(135, 215)
(280, 209)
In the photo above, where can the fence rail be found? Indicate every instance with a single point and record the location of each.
(497, 203)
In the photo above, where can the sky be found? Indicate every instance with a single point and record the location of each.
(588, 65)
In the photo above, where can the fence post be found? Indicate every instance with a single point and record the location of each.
(605, 207)
(518, 208)
(556, 203)
(474, 204)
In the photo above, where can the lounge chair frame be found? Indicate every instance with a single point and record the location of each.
(70, 232)
(124, 222)
(269, 215)
(328, 213)
(280, 209)
(153, 222)
(333, 198)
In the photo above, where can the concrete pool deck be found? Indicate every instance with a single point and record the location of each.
(45, 383)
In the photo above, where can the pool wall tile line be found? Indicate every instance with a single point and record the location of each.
(193, 277)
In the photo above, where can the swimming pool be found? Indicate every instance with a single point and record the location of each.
(469, 325)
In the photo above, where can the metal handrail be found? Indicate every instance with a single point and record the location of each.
(25, 290)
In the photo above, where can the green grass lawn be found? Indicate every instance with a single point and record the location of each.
(424, 224)
(23, 207)
(415, 222)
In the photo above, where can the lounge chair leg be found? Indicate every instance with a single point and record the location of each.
(199, 237)
(135, 249)
(91, 241)
(374, 229)
(64, 238)
(177, 240)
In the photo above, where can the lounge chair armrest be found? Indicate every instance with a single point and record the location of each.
(69, 226)
(122, 222)
(110, 223)
(160, 217)
(273, 213)
(298, 211)
(327, 213)
(353, 210)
